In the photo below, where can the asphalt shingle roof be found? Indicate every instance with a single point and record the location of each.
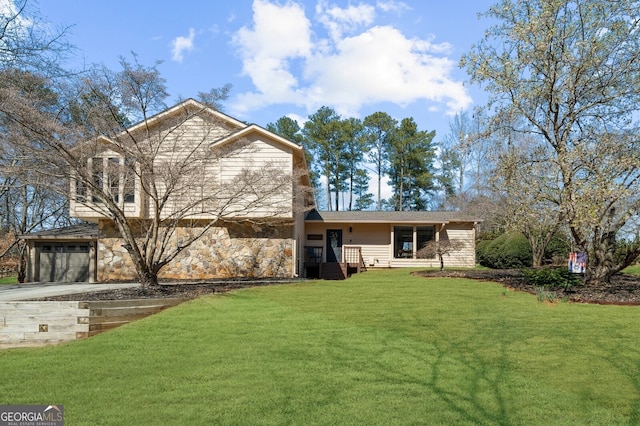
(73, 232)
(388, 217)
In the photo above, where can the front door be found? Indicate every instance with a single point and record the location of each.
(334, 245)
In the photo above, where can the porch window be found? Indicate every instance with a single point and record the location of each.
(424, 234)
(403, 242)
(409, 239)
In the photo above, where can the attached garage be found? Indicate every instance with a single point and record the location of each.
(64, 262)
(62, 255)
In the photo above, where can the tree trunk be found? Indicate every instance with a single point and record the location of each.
(537, 253)
(22, 264)
(379, 187)
(441, 262)
(148, 279)
(600, 264)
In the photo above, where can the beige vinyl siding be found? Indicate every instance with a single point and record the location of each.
(204, 175)
(257, 199)
(466, 233)
(175, 157)
(374, 240)
(186, 165)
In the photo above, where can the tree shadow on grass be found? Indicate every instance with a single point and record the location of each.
(459, 385)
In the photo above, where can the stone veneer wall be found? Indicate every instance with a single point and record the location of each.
(232, 250)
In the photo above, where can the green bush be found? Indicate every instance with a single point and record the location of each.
(508, 251)
(481, 249)
(557, 251)
(551, 278)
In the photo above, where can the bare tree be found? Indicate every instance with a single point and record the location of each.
(439, 248)
(31, 55)
(28, 43)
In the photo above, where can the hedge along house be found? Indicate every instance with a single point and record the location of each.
(233, 194)
(357, 240)
(231, 198)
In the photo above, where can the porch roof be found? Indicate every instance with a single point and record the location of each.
(433, 217)
(84, 231)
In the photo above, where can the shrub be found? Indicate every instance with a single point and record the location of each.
(557, 251)
(481, 252)
(550, 278)
(509, 250)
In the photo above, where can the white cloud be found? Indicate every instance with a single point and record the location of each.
(392, 6)
(280, 34)
(360, 64)
(339, 20)
(298, 119)
(382, 65)
(182, 44)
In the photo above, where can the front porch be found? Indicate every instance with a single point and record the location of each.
(351, 262)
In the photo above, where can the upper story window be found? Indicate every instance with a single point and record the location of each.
(97, 174)
(81, 191)
(129, 184)
(113, 177)
(116, 177)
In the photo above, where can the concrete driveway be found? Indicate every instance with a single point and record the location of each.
(15, 292)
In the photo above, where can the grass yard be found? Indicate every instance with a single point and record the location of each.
(381, 348)
(633, 269)
(9, 280)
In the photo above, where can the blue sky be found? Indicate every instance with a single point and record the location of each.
(292, 57)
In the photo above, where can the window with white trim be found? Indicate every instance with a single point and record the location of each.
(408, 239)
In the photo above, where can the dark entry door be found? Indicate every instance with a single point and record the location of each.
(334, 245)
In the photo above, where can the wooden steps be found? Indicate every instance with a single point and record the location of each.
(334, 271)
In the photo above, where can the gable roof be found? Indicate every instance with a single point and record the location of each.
(187, 104)
(296, 150)
(255, 129)
(190, 105)
(388, 217)
(245, 132)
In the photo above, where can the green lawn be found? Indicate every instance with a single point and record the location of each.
(633, 269)
(9, 280)
(382, 348)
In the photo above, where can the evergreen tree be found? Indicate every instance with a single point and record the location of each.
(378, 128)
(324, 140)
(355, 146)
(411, 172)
(364, 199)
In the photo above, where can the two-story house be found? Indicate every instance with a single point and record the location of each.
(223, 180)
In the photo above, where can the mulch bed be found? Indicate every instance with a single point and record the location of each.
(186, 290)
(623, 289)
